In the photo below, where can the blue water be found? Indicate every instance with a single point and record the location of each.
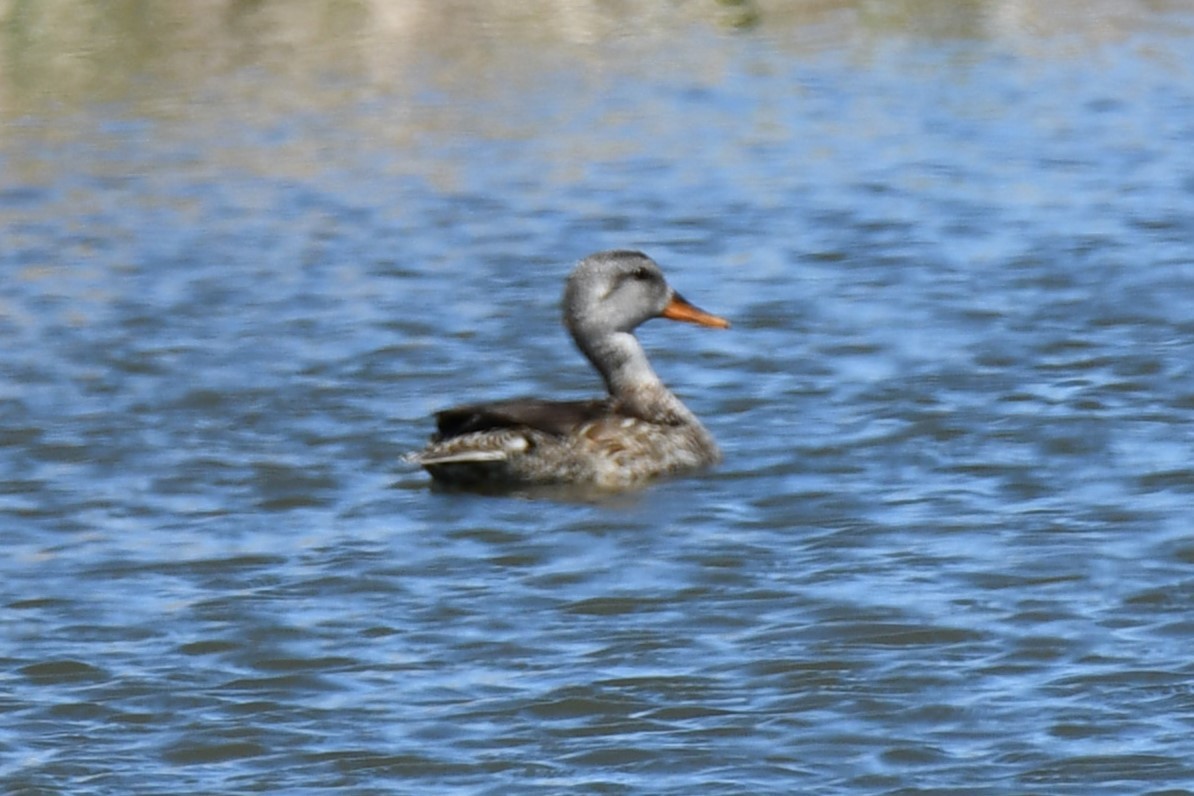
(950, 549)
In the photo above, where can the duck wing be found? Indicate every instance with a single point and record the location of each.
(557, 418)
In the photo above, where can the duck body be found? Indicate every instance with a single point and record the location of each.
(639, 432)
(525, 442)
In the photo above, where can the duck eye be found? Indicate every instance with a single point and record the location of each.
(641, 274)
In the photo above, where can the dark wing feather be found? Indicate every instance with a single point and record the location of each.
(557, 418)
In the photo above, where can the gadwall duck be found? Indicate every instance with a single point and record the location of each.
(637, 433)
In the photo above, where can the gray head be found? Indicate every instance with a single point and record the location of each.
(616, 291)
(607, 296)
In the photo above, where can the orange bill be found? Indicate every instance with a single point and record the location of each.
(678, 309)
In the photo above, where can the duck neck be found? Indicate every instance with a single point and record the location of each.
(631, 380)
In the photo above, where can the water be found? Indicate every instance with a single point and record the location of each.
(249, 248)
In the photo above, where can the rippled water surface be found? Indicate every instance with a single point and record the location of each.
(248, 248)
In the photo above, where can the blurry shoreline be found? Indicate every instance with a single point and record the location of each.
(65, 52)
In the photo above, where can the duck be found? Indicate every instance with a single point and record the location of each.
(639, 431)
